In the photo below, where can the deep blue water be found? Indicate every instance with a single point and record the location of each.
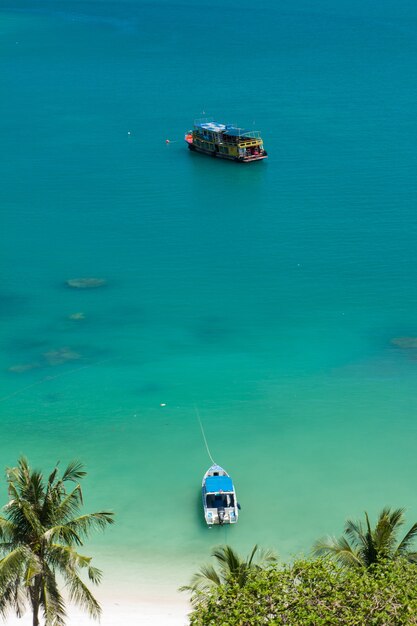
(268, 294)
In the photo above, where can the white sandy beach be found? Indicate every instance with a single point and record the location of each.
(146, 606)
(164, 613)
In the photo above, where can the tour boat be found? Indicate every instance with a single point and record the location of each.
(219, 497)
(226, 141)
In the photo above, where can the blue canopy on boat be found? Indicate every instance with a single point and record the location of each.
(215, 127)
(214, 484)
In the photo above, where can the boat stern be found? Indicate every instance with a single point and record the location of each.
(218, 517)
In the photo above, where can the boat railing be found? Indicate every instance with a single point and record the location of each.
(252, 134)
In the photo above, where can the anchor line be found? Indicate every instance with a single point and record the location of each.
(47, 379)
(204, 435)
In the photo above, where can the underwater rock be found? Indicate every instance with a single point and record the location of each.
(28, 344)
(405, 342)
(76, 316)
(62, 355)
(51, 398)
(151, 388)
(12, 304)
(20, 368)
(86, 283)
(213, 328)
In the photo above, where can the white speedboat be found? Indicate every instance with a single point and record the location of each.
(219, 497)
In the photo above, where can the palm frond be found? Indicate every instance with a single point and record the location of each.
(84, 524)
(412, 557)
(52, 602)
(339, 550)
(252, 555)
(15, 496)
(52, 495)
(264, 557)
(7, 546)
(383, 538)
(366, 549)
(355, 532)
(386, 530)
(17, 572)
(405, 544)
(33, 568)
(75, 471)
(95, 574)
(34, 491)
(7, 529)
(81, 595)
(229, 561)
(204, 579)
(27, 518)
(13, 565)
(69, 505)
(14, 598)
(27, 483)
(63, 533)
(52, 476)
(20, 474)
(395, 517)
(66, 558)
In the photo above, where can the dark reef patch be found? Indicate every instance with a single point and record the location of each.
(12, 304)
(213, 329)
(151, 388)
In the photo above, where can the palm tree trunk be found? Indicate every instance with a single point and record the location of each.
(35, 593)
(35, 616)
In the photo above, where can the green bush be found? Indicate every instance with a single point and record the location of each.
(314, 593)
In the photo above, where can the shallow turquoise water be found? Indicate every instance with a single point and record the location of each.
(267, 295)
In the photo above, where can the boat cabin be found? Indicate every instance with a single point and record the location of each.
(220, 500)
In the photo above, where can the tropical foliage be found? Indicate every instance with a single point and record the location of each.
(41, 532)
(362, 546)
(315, 593)
(230, 568)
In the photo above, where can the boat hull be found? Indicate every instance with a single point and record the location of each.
(227, 157)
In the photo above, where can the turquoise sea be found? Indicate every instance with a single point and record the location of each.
(267, 295)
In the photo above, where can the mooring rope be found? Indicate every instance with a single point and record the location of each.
(204, 435)
(47, 379)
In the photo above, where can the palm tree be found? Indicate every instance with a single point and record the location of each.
(231, 567)
(40, 533)
(360, 546)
